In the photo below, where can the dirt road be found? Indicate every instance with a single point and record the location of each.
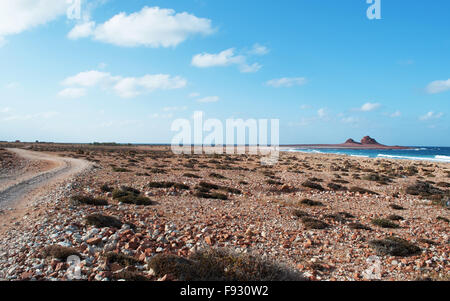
(17, 186)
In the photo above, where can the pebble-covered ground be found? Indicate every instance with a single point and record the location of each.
(324, 216)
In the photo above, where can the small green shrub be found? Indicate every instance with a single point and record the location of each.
(122, 259)
(190, 175)
(299, 213)
(59, 252)
(106, 188)
(309, 202)
(394, 246)
(396, 207)
(395, 217)
(384, 223)
(102, 221)
(359, 226)
(312, 223)
(362, 190)
(312, 185)
(336, 187)
(221, 265)
(87, 200)
(216, 175)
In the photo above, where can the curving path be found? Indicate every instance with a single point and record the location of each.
(16, 187)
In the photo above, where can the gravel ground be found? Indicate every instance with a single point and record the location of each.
(260, 219)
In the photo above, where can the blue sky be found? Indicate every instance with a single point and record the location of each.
(125, 70)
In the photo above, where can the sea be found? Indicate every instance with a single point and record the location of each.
(421, 153)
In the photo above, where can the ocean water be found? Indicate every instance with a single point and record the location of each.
(422, 153)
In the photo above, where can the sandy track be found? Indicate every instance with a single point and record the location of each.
(16, 187)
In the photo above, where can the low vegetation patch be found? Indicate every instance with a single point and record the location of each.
(362, 190)
(106, 188)
(423, 189)
(129, 276)
(216, 175)
(178, 186)
(384, 223)
(299, 213)
(129, 195)
(396, 207)
(191, 175)
(336, 187)
(87, 200)
(212, 195)
(394, 246)
(59, 252)
(102, 221)
(221, 265)
(444, 219)
(309, 202)
(122, 259)
(312, 223)
(208, 185)
(359, 226)
(312, 185)
(395, 217)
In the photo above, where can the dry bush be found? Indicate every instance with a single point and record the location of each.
(87, 200)
(221, 265)
(122, 259)
(59, 252)
(384, 223)
(103, 221)
(394, 246)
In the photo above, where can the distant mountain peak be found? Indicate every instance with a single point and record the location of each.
(351, 141)
(368, 140)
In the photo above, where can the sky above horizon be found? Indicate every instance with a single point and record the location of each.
(125, 70)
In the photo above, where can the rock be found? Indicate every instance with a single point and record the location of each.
(368, 140)
(94, 241)
(209, 240)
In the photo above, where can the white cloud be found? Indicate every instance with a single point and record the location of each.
(226, 58)
(152, 26)
(322, 113)
(438, 86)
(369, 106)
(72, 92)
(287, 82)
(5, 110)
(126, 87)
(305, 107)
(431, 115)
(194, 94)
(208, 99)
(259, 50)
(250, 68)
(134, 86)
(82, 30)
(395, 114)
(17, 16)
(89, 78)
